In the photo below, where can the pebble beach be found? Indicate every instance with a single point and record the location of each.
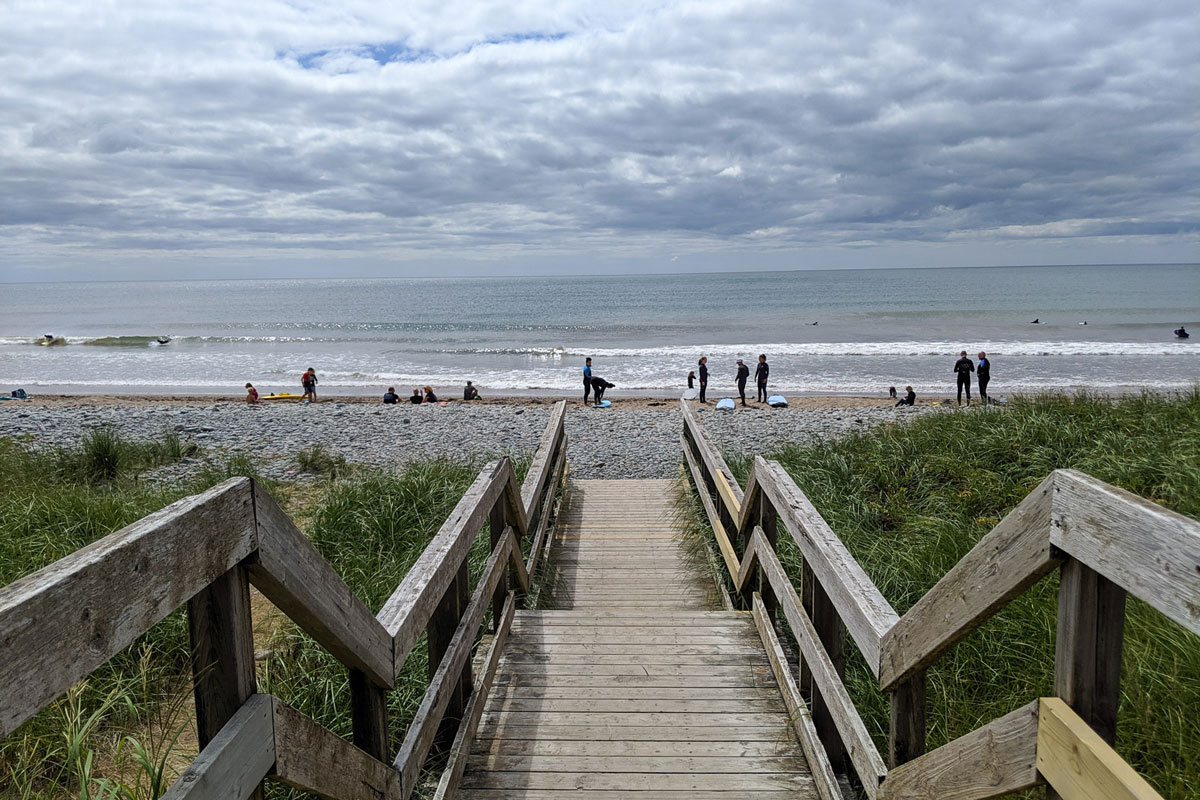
(640, 440)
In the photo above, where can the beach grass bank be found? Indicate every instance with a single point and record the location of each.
(909, 501)
(371, 527)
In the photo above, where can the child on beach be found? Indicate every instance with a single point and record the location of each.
(251, 394)
(416, 397)
(309, 381)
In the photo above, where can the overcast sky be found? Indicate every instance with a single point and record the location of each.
(225, 139)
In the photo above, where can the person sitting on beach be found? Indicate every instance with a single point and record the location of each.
(390, 397)
(470, 392)
(309, 381)
(598, 387)
(908, 399)
(703, 364)
(251, 394)
(416, 397)
(430, 397)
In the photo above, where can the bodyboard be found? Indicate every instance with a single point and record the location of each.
(691, 394)
(602, 404)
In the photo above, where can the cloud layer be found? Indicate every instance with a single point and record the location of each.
(479, 131)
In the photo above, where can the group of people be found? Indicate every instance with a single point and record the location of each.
(593, 385)
(423, 395)
(308, 381)
(761, 373)
(963, 369)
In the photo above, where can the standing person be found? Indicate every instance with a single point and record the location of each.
(984, 373)
(587, 379)
(743, 374)
(963, 369)
(692, 379)
(703, 378)
(761, 372)
(309, 381)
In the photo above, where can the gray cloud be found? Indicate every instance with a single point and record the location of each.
(457, 130)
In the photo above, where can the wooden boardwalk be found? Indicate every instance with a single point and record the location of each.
(625, 684)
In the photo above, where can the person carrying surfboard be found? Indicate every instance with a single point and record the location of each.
(309, 381)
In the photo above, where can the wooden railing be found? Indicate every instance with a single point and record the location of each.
(1105, 541)
(62, 622)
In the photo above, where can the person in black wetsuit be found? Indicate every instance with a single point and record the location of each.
(587, 380)
(470, 392)
(1181, 332)
(963, 369)
(598, 387)
(760, 378)
(692, 379)
(703, 378)
(984, 373)
(743, 374)
(908, 399)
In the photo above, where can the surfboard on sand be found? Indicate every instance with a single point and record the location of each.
(691, 394)
(602, 404)
(284, 396)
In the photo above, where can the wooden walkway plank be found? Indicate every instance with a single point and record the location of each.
(627, 683)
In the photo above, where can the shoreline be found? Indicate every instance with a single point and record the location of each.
(623, 402)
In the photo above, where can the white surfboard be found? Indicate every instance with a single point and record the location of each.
(691, 394)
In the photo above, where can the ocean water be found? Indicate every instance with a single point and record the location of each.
(874, 329)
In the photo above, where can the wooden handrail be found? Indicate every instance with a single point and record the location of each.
(60, 623)
(1107, 540)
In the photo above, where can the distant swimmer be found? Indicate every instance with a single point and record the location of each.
(1181, 333)
(816, 323)
(163, 340)
(1037, 321)
(1084, 322)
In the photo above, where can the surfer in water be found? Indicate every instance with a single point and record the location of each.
(743, 374)
(761, 372)
(1181, 333)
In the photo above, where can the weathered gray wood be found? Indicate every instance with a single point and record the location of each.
(999, 758)
(221, 632)
(906, 726)
(1005, 562)
(864, 611)
(540, 470)
(714, 464)
(460, 751)
(545, 513)
(497, 528)
(425, 722)
(1088, 645)
(853, 733)
(369, 714)
(831, 633)
(439, 634)
(802, 724)
(235, 762)
(300, 582)
(768, 525)
(61, 622)
(316, 760)
(407, 611)
(724, 545)
(1152, 553)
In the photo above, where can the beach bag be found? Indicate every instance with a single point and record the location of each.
(777, 401)
(725, 404)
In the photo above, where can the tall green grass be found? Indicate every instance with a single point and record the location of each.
(910, 501)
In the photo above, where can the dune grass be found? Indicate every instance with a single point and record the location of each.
(371, 528)
(909, 501)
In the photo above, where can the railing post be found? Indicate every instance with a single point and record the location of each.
(442, 625)
(906, 733)
(768, 521)
(1088, 644)
(369, 715)
(497, 520)
(222, 640)
(832, 634)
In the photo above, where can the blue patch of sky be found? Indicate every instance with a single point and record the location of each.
(392, 52)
